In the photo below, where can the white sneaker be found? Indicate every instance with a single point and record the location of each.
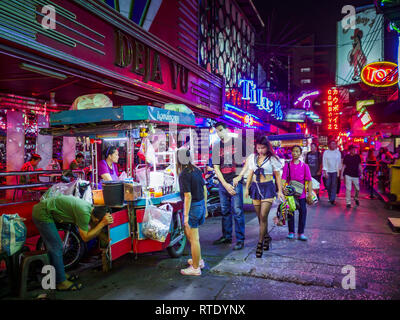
(190, 271)
(201, 263)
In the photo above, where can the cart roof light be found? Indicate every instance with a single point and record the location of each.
(42, 71)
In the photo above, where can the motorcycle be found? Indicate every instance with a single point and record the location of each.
(213, 201)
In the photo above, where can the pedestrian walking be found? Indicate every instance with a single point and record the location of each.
(263, 165)
(225, 160)
(194, 194)
(351, 172)
(331, 164)
(314, 161)
(298, 171)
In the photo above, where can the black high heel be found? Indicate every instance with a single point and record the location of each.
(259, 250)
(267, 242)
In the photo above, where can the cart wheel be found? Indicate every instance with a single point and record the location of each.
(177, 249)
(75, 251)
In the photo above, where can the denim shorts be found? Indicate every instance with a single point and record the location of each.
(197, 214)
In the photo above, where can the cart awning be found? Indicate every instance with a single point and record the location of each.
(121, 114)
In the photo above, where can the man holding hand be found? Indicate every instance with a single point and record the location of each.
(230, 187)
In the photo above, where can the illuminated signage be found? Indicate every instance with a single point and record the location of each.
(365, 118)
(333, 102)
(361, 104)
(256, 96)
(239, 116)
(380, 74)
(304, 96)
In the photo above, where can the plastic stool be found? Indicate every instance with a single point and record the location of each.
(4, 257)
(27, 259)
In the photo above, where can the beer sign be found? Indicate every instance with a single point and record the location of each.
(380, 74)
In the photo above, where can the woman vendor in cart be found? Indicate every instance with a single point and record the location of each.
(108, 169)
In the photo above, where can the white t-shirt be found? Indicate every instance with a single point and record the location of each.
(269, 166)
(331, 160)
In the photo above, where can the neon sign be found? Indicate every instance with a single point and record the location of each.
(306, 95)
(239, 116)
(333, 109)
(255, 96)
(361, 104)
(380, 74)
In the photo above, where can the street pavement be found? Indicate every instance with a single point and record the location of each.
(359, 237)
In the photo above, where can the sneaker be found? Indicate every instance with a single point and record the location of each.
(222, 240)
(302, 237)
(290, 236)
(357, 203)
(239, 245)
(190, 271)
(201, 263)
(348, 206)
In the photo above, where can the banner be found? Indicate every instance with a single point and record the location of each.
(358, 46)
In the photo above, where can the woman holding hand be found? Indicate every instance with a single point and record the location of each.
(263, 165)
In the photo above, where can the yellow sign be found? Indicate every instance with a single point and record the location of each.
(364, 103)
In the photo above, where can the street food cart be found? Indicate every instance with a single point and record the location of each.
(129, 123)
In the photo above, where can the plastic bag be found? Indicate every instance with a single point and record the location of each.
(315, 184)
(142, 175)
(314, 198)
(146, 151)
(79, 188)
(12, 233)
(291, 203)
(157, 221)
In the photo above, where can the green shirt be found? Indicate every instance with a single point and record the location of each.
(64, 209)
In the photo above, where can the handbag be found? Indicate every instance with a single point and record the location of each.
(296, 185)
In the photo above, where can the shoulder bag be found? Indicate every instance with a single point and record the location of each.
(296, 185)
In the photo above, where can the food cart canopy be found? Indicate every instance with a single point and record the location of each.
(116, 120)
(121, 114)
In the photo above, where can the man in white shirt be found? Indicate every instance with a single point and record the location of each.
(331, 164)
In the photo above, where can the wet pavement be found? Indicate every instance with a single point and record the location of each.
(292, 269)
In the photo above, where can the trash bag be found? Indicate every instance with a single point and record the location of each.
(157, 221)
(12, 233)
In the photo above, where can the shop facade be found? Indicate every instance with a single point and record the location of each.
(55, 51)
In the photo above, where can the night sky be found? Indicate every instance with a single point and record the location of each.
(313, 17)
(318, 18)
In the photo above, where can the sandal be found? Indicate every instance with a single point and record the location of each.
(267, 242)
(72, 287)
(259, 250)
(73, 277)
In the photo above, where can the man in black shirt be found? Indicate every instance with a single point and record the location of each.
(225, 158)
(351, 171)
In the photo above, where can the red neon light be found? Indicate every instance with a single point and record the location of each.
(243, 118)
(380, 74)
(333, 103)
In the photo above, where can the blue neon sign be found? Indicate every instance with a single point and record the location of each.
(256, 96)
